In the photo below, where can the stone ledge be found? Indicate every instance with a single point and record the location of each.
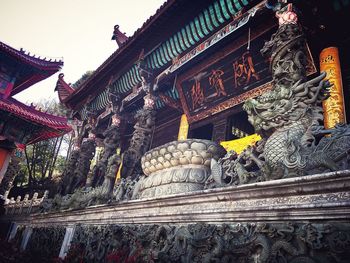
(311, 198)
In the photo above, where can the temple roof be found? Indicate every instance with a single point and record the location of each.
(32, 69)
(50, 125)
(167, 42)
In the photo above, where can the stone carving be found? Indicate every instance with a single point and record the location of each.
(242, 242)
(141, 139)
(87, 152)
(113, 165)
(111, 142)
(288, 117)
(25, 206)
(127, 189)
(17, 239)
(145, 122)
(68, 173)
(44, 244)
(178, 167)
(80, 199)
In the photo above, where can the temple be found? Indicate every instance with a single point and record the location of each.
(216, 133)
(20, 124)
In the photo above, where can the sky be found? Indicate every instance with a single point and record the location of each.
(77, 31)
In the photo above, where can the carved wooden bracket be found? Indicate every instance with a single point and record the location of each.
(169, 101)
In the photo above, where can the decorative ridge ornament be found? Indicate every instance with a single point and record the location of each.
(287, 17)
(149, 101)
(116, 120)
(118, 36)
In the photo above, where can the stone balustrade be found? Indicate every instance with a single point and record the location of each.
(23, 206)
(314, 197)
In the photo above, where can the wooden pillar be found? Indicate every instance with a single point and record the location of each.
(6, 149)
(333, 107)
(5, 156)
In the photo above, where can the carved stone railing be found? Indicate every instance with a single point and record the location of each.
(20, 206)
(178, 167)
(312, 198)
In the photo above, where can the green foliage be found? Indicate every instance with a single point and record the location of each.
(43, 160)
(83, 78)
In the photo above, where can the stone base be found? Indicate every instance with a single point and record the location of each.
(303, 219)
(178, 167)
(174, 180)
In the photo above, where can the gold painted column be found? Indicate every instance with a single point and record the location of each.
(183, 129)
(333, 107)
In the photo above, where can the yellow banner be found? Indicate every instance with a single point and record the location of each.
(118, 176)
(239, 145)
(333, 107)
(183, 130)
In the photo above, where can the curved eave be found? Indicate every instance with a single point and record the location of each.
(37, 62)
(29, 82)
(20, 110)
(43, 68)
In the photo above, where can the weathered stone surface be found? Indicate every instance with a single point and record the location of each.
(178, 167)
(312, 198)
(237, 242)
(190, 151)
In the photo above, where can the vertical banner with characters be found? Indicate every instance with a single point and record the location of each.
(333, 107)
(183, 129)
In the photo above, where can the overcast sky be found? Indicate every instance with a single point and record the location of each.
(79, 31)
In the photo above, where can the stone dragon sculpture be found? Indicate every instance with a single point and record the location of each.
(68, 172)
(87, 152)
(288, 117)
(111, 142)
(141, 139)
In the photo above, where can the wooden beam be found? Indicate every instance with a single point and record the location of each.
(169, 101)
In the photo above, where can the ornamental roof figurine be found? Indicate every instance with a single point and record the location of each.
(287, 16)
(118, 36)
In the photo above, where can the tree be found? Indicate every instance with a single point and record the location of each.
(82, 79)
(44, 159)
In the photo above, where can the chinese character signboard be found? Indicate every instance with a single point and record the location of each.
(228, 78)
(207, 90)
